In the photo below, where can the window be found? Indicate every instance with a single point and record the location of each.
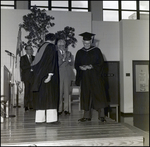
(8, 5)
(118, 10)
(79, 6)
(129, 15)
(128, 5)
(39, 4)
(110, 4)
(62, 5)
(59, 5)
(110, 15)
(144, 5)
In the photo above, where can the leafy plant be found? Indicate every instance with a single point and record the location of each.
(37, 24)
(68, 35)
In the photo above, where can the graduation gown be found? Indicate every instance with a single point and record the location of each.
(91, 81)
(46, 61)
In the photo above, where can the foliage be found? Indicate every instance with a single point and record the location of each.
(36, 23)
(67, 34)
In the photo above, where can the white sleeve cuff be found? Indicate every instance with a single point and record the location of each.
(50, 74)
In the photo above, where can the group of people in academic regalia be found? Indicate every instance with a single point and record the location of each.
(48, 76)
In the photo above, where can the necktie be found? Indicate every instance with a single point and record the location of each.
(30, 58)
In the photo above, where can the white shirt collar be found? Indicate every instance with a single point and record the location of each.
(29, 56)
(60, 51)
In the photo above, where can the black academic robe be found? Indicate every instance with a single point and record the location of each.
(46, 94)
(92, 84)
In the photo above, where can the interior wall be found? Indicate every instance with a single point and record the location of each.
(107, 39)
(134, 45)
(123, 41)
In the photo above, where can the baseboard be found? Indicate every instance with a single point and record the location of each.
(126, 114)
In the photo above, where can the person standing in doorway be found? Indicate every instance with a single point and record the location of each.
(88, 64)
(26, 74)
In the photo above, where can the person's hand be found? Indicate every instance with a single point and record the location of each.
(48, 79)
(83, 67)
(89, 66)
(69, 57)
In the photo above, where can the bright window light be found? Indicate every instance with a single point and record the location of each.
(7, 2)
(129, 15)
(144, 5)
(110, 15)
(59, 3)
(81, 4)
(39, 3)
(110, 4)
(128, 5)
(80, 10)
(57, 9)
(4, 7)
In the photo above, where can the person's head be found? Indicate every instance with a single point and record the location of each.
(50, 37)
(61, 44)
(87, 39)
(29, 50)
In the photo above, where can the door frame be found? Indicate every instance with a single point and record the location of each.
(118, 71)
(136, 90)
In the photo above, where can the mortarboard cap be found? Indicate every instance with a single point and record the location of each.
(87, 35)
(50, 36)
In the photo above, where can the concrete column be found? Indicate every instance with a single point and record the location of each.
(22, 4)
(97, 10)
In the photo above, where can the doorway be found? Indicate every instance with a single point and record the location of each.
(141, 87)
(111, 78)
(141, 94)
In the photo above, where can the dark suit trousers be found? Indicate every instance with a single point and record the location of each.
(28, 95)
(88, 114)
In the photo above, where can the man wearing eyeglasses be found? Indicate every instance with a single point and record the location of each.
(26, 74)
(66, 74)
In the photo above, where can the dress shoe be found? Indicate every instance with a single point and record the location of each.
(40, 123)
(84, 119)
(66, 112)
(54, 123)
(102, 119)
(26, 108)
(31, 108)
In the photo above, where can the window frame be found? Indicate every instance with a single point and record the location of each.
(69, 7)
(7, 5)
(137, 10)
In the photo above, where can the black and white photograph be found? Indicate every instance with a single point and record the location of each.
(74, 73)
